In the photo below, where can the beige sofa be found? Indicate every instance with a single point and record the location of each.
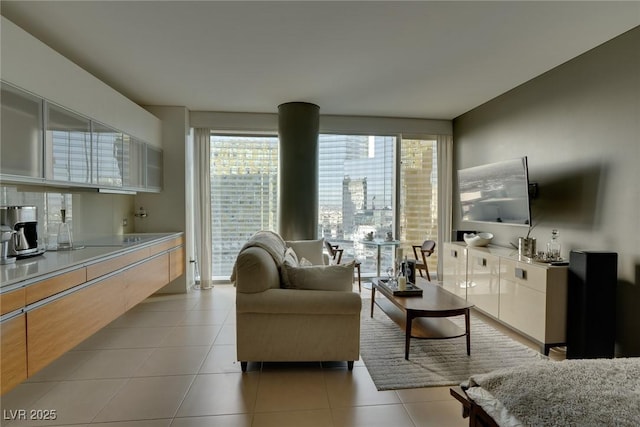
(285, 312)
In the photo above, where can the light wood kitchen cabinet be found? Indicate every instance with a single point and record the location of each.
(58, 326)
(455, 269)
(483, 281)
(12, 300)
(13, 352)
(21, 140)
(177, 263)
(146, 278)
(56, 313)
(115, 263)
(166, 245)
(53, 285)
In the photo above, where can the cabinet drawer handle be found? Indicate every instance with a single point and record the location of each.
(454, 253)
(482, 262)
(521, 273)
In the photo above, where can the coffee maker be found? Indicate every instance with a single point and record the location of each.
(23, 220)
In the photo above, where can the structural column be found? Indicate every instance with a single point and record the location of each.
(298, 129)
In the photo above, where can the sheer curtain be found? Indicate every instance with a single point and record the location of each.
(202, 173)
(445, 192)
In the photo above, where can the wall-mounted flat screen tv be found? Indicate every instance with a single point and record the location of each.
(496, 193)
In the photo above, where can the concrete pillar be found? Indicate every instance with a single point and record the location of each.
(298, 129)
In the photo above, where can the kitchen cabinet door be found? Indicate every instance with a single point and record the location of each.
(144, 279)
(108, 149)
(134, 163)
(21, 140)
(13, 352)
(177, 263)
(154, 168)
(68, 145)
(58, 326)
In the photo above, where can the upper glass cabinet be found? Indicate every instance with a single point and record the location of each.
(108, 155)
(45, 143)
(21, 133)
(134, 163)
(154, 168)
(68, 145)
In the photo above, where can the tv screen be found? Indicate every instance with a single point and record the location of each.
(496, 193)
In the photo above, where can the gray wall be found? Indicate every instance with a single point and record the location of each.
(579, 125)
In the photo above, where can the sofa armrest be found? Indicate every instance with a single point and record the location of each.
(296, 301)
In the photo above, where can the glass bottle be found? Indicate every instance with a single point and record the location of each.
(402, 280)
(553, 246)
(64, 233)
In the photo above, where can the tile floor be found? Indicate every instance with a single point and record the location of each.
(170, 361)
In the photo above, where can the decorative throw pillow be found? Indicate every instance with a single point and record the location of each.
(318, 277)
(291, 258)
(309, 249)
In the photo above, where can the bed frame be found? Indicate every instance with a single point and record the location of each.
(477, 416)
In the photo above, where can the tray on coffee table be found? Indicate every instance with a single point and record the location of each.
(411, 291)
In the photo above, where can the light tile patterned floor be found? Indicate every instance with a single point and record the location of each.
(170, 361)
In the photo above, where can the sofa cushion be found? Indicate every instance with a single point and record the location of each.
(309, 249)
(291, 258)
(318, 277)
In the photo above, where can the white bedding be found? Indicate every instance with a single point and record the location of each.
(595, 392)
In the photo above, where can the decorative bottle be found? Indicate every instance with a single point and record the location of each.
(402, 280)
(553, 246)
(65, 241)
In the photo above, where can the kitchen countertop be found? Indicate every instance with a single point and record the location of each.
(27, 270)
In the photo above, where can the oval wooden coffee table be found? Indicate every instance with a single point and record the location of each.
(428, 310)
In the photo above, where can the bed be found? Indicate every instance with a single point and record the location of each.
(585, 392)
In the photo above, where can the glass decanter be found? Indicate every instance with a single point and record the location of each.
(65, 241)
(553, 247)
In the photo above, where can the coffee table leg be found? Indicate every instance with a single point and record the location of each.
(468, 331)
(373, 298)
(408, 336)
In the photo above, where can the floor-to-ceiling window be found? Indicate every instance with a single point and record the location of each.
(359, 177)
(418, 216)
(356, 194)
(244, 177)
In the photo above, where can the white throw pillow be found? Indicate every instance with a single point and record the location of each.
(309, 249)
(291, 258)
(318, 277)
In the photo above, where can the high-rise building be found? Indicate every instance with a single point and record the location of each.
(356, 193)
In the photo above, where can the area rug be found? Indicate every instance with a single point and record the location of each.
(434, 362)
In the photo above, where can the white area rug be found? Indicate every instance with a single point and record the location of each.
(434, 362)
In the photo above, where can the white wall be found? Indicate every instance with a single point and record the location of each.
(579, 125)
(268, 123)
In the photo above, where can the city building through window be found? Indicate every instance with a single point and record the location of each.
(363, 187)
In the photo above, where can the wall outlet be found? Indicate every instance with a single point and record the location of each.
(125, 222)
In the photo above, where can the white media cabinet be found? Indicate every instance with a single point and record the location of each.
(528, 296)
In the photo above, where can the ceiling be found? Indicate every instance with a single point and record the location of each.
(417, 59)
